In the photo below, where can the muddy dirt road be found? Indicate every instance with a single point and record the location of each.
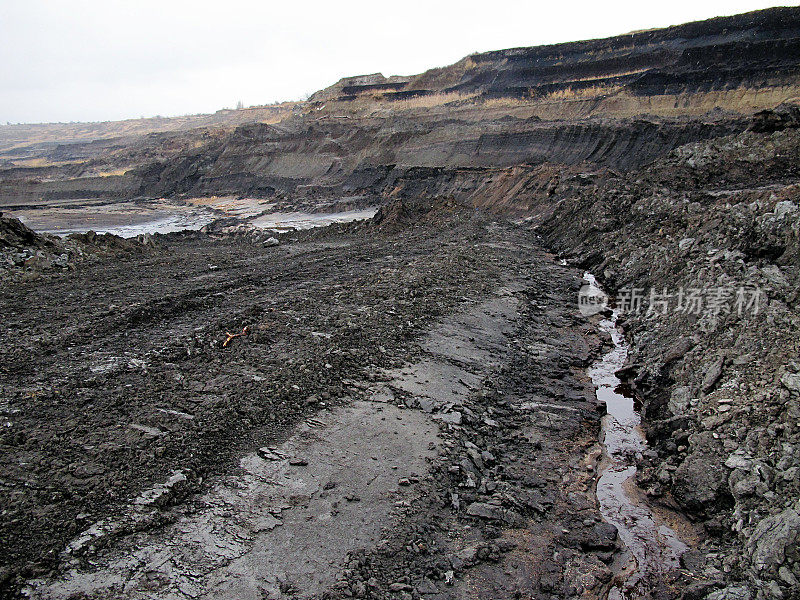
(409, 416)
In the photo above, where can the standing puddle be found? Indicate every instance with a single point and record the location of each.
(654, 549)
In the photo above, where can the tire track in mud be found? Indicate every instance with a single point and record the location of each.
(284, 527)
(493, 428)
(509, 508)
(80, 443)
(287, 528)
(285, 523)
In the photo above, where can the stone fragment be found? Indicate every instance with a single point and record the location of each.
(775, 540)
(731, 593)
(602, 536)
(679, 400)
(454, 418)
(160, 494)
(270, 453)
(791, 381)
(701, 480)
(713, 374)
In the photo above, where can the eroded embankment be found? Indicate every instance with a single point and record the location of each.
(313, 162)
(702, 248)
(653, 547)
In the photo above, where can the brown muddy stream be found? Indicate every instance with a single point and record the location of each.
(653, 547)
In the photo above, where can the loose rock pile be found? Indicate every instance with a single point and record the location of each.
(26, 254)
(719, 384)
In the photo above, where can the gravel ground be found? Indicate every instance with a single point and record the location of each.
(117, 378)
(115, 374)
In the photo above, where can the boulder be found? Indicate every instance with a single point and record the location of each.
(679, 400)
(791, 381)
(775, 540)
(701, 481)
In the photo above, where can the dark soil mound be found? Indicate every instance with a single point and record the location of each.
(404, 213)
(14, 234)
(785, 116)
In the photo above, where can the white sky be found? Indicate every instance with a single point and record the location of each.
(91, 60)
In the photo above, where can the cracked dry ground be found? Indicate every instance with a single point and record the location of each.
(462, 340)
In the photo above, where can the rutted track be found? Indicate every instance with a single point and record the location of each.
(470, 326)
(89, 360)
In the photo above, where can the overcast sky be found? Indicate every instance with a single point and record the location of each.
(93, 60)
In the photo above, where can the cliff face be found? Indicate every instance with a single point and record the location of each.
(749, 51)
(615, 103)
(327, 162)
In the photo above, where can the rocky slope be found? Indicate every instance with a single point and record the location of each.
(327, 160)
(707, 241)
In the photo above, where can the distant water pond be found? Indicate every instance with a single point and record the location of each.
(131, 218)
